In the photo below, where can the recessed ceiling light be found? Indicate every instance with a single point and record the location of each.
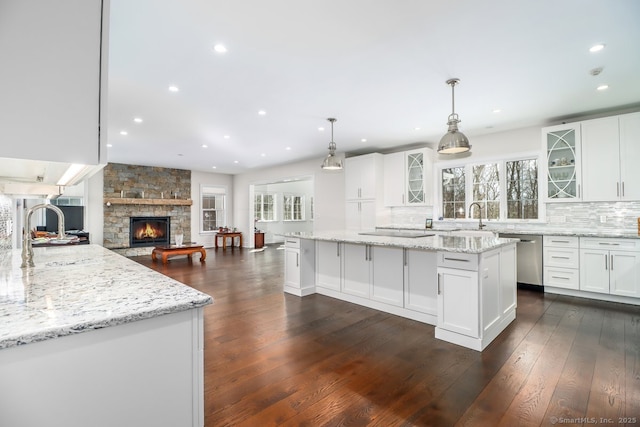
(497, 110)
(226, 137)
(321, 129)
(137, 119)
(124, 132)
(109, 145)
(262, 112)
(596, 48)
(416, 128)
(363, 140)
(288, 148)
(204, 146)
(235, 161)
(603, 87)
(214, 167)
(263, 155)
(173, 88)
(220, 48)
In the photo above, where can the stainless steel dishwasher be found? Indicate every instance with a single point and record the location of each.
(529, 258)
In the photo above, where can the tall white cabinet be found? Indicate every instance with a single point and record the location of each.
(53, 80)
(364, 177)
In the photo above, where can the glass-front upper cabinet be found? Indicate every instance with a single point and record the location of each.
(408, 178)
(562, 145)
(415, 178)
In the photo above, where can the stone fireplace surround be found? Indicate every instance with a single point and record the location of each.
(127, 182)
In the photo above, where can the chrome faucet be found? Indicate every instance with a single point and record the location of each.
(27, 247)
(480, 225)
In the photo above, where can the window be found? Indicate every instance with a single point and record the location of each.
(453, 193)
(486, 190)
(293, 207)
(213, 206)
(505, 190)
(522, 189)
(264, 207)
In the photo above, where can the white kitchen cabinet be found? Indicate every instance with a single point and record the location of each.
(476, 295)
(561, 262)
(360, 215)
(610, 266)
(299, 266)
(381, 280)
(387, 284)
(328, 265)
(458, 301)
(54, 55)
(420, 290)
(357, 270)
(364, 176)
(630, 156)
(562, 144)
(408, 178)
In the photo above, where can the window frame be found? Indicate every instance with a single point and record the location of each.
(208, 190)
(274, 197)
(302, 207)
(502, 164)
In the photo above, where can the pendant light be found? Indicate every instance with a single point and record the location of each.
(331, 162)
(453, 141)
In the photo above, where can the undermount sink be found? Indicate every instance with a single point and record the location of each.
(397, 233)
(472, 233)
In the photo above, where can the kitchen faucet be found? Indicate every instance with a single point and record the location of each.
(480, 225)
(27, 247)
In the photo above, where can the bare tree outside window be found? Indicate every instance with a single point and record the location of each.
(486, 189)
(453, 193)
(522, 189)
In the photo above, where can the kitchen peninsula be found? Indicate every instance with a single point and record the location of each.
(89, 337)
(464, 285)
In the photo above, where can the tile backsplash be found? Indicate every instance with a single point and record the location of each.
(598, 216)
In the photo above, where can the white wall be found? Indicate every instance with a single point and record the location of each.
(328, 194)
(216, 179)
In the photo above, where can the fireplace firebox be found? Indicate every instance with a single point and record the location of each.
(149, 231)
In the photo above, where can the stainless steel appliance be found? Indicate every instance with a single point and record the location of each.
(529, 258)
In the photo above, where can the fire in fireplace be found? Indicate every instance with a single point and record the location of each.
(149, 231)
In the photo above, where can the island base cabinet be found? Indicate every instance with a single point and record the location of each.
(357, 270)
(458, 301)
(144, 373)
(420, 284)
(299, 266)
(387, 283)
(328, 261)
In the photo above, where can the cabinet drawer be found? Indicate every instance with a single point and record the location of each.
(561, 241)
(291, 242)
(561, 257)
(562, 278)
(610, 244)
(459, 261)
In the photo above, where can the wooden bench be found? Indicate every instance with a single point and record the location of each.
(229, 235)
(186, 249)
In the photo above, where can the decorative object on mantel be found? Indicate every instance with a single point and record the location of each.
(454, 141)
(136, 201)
(331, 162)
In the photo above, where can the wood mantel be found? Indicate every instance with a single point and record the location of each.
(158, 202)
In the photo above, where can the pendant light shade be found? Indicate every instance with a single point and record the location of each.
(453, 141)
(331, 162)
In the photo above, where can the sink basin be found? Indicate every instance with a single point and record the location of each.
(473, 233)
(397, 233)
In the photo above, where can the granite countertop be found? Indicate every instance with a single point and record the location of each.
(80, 288)
(460, 244)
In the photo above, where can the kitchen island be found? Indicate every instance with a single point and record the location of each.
(464, 285)
(89, 337)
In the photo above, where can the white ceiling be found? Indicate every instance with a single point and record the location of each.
(378, 66)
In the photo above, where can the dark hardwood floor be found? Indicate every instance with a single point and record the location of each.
(277, 359)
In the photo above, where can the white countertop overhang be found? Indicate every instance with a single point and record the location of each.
(80, 288)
